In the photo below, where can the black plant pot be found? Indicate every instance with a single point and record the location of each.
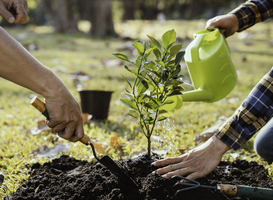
(96, 103)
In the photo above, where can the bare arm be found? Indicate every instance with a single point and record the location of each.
(20, 67)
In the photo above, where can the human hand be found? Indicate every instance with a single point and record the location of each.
(228, 24)
(65, 116)
(196, 163)
(14, 11)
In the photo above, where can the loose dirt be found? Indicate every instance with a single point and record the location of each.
(68, 178)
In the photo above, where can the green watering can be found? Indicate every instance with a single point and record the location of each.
(210, 67)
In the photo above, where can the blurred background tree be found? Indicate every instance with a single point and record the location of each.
(64, 15)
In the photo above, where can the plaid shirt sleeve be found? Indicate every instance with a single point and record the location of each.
(251, 116)
(252, 12)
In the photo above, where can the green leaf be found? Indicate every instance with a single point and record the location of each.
(168, 39)
(161, 118)
(122, 57)
(130, 95)
(171, 62)
(139, 61)
(175, 93)
(179, 57)
(175, 49)
(157, 53)
(139, 47)
(127, 81)
(177, 70)
(161, 63)
(133, 113)
(153, 80)
(140, 98)
(129, 103)
(148, 52)
(149, 120)
(178, 88)
(142, 87)
(153, 40)
(152, 105)
(173, 82)
(150, 65)
(127, 91)
(134, 71)
(151, 44)
(168, 102)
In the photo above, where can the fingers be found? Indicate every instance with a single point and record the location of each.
(167, 161)
(195, 175)
(71, 130)
(14, 11)
(71, 133)
(65, 118)
(228, 24)
(6, 14)
(215, 22)
(21, 11)
(174, 170)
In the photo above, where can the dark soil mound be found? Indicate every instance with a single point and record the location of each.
(67, 178)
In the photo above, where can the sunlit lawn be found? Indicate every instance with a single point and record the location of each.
(67, 54)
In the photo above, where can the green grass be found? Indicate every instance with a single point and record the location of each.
(80, 53)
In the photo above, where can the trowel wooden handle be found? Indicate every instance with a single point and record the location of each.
(40, 105)
(245, 191)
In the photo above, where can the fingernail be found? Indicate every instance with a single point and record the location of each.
(155, 172)
(154, 163)
(11, 19)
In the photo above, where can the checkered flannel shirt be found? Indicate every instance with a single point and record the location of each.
(252, 12)
(257, 108)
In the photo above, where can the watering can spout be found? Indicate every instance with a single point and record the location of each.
(197, 95)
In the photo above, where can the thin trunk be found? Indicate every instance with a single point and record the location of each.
(149, 147)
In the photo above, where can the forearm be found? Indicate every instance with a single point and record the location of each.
(252, 12)
(251, 116)
(19, 66)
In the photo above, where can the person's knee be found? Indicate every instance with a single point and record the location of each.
(264, 150)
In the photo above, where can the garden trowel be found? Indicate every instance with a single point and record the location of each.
(105, 160)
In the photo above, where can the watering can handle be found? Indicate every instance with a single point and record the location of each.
(246, 191)
(195, 47)
(40, 105)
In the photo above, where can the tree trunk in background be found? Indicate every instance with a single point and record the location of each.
(65, 17)
(62, 15)
(84, 9)
(101, 18)
(128, 10)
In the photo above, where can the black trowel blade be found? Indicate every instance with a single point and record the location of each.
(115, 169)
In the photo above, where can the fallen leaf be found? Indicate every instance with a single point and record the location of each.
(101, 147)
(41, 127)
(115, 142)
(86, 118)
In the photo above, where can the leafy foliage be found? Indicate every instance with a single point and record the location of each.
(150, 96)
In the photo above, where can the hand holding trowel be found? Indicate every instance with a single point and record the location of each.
(105, 160)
